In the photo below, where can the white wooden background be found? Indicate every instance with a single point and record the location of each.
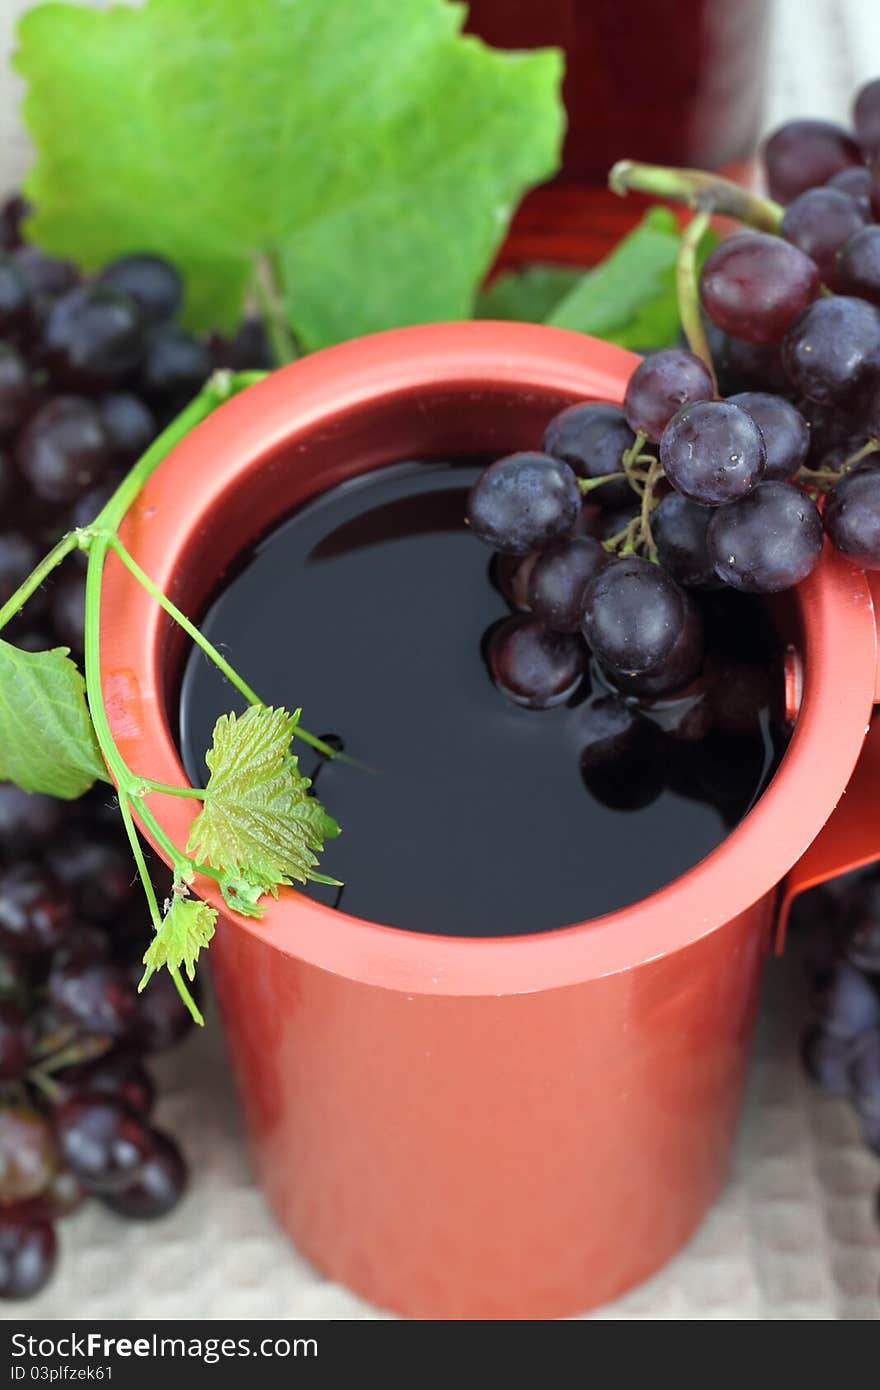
(793, 1235)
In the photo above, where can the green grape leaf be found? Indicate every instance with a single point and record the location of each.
(529, 295)
(187, 926)
(630, 298)
(47, 743)
(258, 824)
(371, 151)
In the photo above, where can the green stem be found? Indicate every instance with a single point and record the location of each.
(36, 577)
(182, 620)
(270, 300)
(633, 453)
(155, 915)
(170, 790)
(687, 285)
(697, 189)
(200, 640)
(645, 534)
(587, 484)
(219, 388)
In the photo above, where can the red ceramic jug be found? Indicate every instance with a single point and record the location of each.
(495, 1128)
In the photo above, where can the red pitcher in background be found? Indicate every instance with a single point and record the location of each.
(674, 83)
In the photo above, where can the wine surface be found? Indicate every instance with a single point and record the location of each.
(370, 608)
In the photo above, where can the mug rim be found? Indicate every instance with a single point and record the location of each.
(836, 614)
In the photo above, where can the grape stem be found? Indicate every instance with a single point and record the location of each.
(688, 288)
(267, 292)
(704, 192)
(823, 479)
(37, 576)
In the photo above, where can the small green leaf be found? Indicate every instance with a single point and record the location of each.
(529, 295)
(630, 297)
(187, 927)
(258, 823)
(370, 150)
(47, 743)
(243, 896)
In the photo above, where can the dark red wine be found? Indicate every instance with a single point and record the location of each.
(372, 608)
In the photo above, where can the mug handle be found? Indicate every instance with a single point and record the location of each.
(850, 838)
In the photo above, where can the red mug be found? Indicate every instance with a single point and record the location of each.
(514, 1127)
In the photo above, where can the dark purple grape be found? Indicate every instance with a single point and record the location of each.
(162, 1019)
(176, 363)
(679, 530)
(18, 556)
(592, 438)
(151, 281)
(46, 277)
(745, 366)
(852, 516)
(559, 578)
(827, 1060)
(27, 1154)
(92, 337)
(15, 1041)
(678, 670)
(248, 349)
(129, 423)
(660, 385)
(99, 873)
(533, 666)
(64, 449)
(785, 431)
(15, 299)
(767, 541)
(61, 1198)
(511, 574)
(28, 1253)
(12, 215)
(96, 996)
(863, 927)
(866, 117)
(35, 910)
(856, 183)
(831, 347)
(803, 153)
(102, 1141)
(28, 820)
(124, 1077)
(848, 1003)
(754, 286)
(865, 1074)
(712, 452)
(524, 502)
(158, 1188)
(819, 222)
(635, 614)
(17, 394)
(858, 265)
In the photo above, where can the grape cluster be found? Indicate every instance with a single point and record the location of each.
(726, 472)
(841, 1045)
(90, 371)
(75, 1095)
